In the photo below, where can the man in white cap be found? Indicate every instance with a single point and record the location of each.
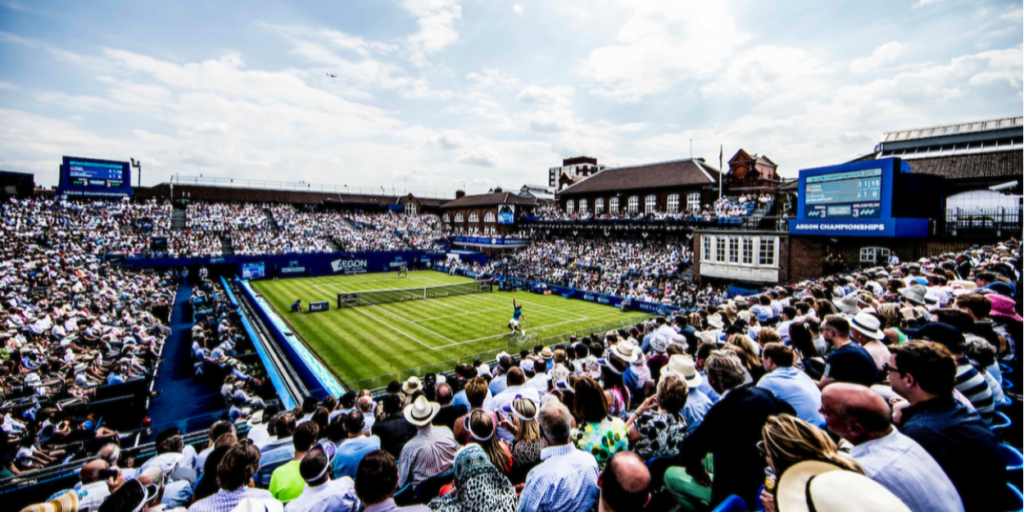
(866, 330)
(321, 494)
(431, 451)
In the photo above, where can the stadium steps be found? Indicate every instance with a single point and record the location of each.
(271, 219)
(225, 246)
(336, 244)
(178, 218)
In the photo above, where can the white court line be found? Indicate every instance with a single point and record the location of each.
(506, 334)
(409, 321)
(389, 326)
(452, 316)
(531, 305)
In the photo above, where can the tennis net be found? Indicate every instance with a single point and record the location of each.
(369, 298)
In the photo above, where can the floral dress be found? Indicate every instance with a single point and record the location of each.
(661, 434)
(603, 439)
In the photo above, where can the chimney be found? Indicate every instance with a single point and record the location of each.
(459, 194)
(497, 190)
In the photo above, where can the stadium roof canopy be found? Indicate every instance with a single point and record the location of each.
(493, 199)
(675, 173)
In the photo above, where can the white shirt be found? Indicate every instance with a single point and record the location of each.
(333, 496)
(258, 434)
(908, 471)
(91, 496)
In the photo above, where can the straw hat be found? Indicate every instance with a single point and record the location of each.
(682, 366)
(421, 411)
(868, 325)
(412, 385)
(822, 487)
(624, 351)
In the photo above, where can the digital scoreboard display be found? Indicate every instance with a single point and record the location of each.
(844, 195)
(256, 270)
(95, 178)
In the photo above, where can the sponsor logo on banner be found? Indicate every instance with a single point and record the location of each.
(319, 306)
(216, 260)
(349, 266)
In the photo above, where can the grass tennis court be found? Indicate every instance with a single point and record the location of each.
(370, 345)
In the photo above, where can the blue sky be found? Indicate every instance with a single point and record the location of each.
(433, 93)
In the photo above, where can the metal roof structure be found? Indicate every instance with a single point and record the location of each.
(967, 138)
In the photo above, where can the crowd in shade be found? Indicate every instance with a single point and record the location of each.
(724, 208)
(649, 272)
(71, 325)
(874, 391)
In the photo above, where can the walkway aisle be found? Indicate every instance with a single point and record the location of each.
(189, 403)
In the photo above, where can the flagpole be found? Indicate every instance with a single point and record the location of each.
(721, 170)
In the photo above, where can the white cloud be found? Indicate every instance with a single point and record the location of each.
(922, 3)
(518, 9)
(482, 157)
(768, 72)
(490, 78)
(660, 45)
(885, 54)
(557, 95)
(436, 20)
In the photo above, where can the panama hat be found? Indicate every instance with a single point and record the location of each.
(715, 321)
(847, 304)
(683, 367)
(546, 353)
(624, 351)
(421, 411)
(412, 385)
(823, 487)
(868, 325)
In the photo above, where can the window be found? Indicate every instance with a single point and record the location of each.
(767, 252)
(410, 208)
(489, 217)
(706, 244)
(693, 201)
(599, 206)
(633, 205)
(446, 218)
(583, 206)
(458, 218)
(673, 203)
(570, 205)
(873, 255)
(473, 217)
(613, 205)
(748, 251)
(649, 203)
(734, 249)
(720, 249)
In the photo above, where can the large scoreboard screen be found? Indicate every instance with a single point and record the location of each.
(844, 195)
(95, 178)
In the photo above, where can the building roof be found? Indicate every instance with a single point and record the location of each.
(676, 173)
(985, 125)
(493, 199)
(1004, 164)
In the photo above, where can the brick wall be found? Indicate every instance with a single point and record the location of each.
(803, 259)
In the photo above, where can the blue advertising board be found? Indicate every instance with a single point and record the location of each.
(854, 199)
(89, 177)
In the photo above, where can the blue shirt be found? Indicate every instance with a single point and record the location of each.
(798, 390)
(499, 384)
(697, 405)
(707, 389)
(516, 313)
(565, 480)
(460, 398)
(647, 342)
(350, 452)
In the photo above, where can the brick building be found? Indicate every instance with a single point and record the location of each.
(572, 171)
(751, 172)
(665, 187)
(481, 213)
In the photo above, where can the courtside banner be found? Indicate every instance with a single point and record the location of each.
(319, 306)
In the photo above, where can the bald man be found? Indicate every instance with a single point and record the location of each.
(94, 485)
(888, 457)
(625, 484)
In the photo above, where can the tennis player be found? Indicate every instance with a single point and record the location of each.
(403, 271)
(517, 316)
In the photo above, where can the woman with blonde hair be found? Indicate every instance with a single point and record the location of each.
(484, 432)
(768, 335)
(529, 442)
(894, 323)
(787, 440)
(749, 354)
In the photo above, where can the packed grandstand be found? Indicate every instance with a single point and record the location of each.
(899, 377)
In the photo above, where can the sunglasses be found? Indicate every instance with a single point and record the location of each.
(761, 448)
(887, 368)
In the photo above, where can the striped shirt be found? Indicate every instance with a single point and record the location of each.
(566, 480)
(908, 471)
(226, 501)
(430, 453)
(972, 384)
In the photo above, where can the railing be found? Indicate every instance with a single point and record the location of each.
(303, 186)
(762, 223)
(978, 222)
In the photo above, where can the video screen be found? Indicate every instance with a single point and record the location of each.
(854, 194)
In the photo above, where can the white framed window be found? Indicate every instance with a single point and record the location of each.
(649, 203)
(766, 252)
(734, 249)
(458, 218)
(873, 255)
(719, 249)
(570, 205)
(633, 205)
(706, 245)
(583, 206)
(693, 201)
(613, 205)
(446, 217)
(410, 208)
(473, 217)
(599, 206)
(489, 217)
(748, 251)
(672, 205)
